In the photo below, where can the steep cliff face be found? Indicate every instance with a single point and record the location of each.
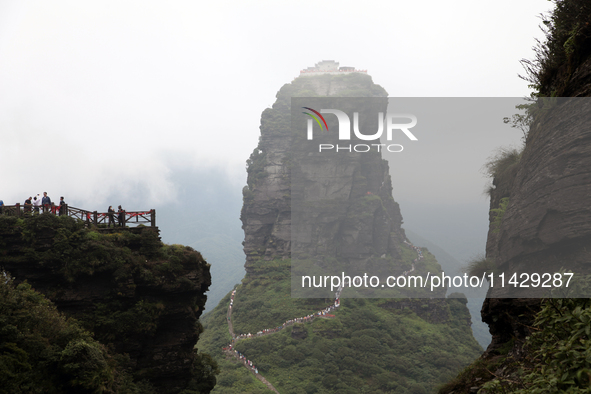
(135, 294)
(331, 191)
(342, 208)
(342, 204)
(547, 222)
(548, 211)
(546, 225)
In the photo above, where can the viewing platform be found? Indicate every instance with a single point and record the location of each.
(124, 219)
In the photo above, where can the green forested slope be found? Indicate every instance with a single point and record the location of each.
(43, 352)
(371, 345)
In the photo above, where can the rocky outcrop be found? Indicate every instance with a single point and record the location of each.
(135, 294)
(547, 223)
(344, 207)
(546, 227)
(548, 216)
(305, 213)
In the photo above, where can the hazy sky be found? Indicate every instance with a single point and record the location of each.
(111, 96)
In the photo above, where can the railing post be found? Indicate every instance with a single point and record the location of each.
(153, 217)
(66, 210)
(124, 218)
(18, 209)
(94, 217)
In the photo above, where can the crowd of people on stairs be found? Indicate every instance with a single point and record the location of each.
(419, 257)
(324, 313)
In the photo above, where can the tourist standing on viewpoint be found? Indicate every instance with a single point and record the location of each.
(36, 203)
(121, 216)
(46, 202)
(28, 204)
(62, 206)
(111, 213)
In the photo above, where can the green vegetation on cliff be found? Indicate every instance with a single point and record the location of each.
(43, 352)
(371, 345)
(566, 47)
(132, 293)
(557, 352)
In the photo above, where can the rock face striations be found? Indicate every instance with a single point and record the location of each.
(546, 225)
(548, 215)
(547, 222)
(344, 205)
(138, 296)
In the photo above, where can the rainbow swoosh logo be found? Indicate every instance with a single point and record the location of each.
(315, 118)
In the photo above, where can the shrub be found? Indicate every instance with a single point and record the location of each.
(42, 352)
(499, 214)
(480, 266)
(567, 44)
(558, 351)
(503, 160)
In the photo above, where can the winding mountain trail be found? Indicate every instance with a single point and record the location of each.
(231, 352)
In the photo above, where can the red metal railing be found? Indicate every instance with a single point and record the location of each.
(123, 218)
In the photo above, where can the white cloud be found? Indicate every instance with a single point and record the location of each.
(94, 95)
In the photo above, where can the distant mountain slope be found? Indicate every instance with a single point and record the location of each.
(450, 264)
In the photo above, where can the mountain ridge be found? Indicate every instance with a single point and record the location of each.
(329, 355)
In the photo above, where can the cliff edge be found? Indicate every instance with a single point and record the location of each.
(139, 297)
(543, 195)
